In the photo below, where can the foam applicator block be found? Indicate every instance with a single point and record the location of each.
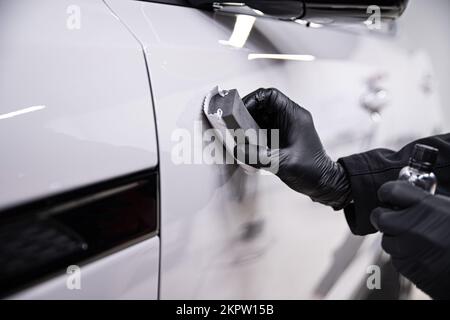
(226, 111)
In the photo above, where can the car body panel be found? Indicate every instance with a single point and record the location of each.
(86, 109)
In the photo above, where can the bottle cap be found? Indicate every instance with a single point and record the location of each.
(424, 157)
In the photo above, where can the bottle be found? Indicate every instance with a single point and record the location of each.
(419, 171)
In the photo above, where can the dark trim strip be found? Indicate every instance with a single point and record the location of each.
(46, 236)
(182, 3)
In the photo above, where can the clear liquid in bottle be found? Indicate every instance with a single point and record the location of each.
(419, 171)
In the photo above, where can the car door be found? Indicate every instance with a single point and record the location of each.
(78, 174)
(229, 235)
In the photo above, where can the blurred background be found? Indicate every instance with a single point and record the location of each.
(426, 25)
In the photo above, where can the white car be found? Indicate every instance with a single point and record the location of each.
(93, 97)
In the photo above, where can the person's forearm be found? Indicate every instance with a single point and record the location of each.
(367, 171)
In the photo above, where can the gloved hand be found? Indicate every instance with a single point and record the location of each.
(303, 163)
(416, 233)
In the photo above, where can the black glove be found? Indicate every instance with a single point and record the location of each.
(416, 235)
(303, 163)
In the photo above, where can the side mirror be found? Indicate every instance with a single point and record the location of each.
(352, 11)
(319, 11)
(281, 9)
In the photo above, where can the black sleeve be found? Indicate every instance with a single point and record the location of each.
(369, 170)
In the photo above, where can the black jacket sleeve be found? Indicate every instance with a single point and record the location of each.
(369, 170)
